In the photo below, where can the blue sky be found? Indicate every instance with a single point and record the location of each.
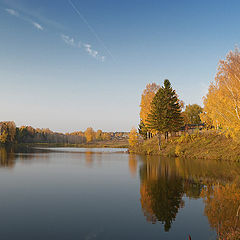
(70, 64)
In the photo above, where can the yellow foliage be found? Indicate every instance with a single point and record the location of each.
(7, 131)
(178, 150)
(206, 119)
(222, 103)
(147, 97)
(3, 137)
(99, 135)
(89, 134)
(133, 137)
(106, 136)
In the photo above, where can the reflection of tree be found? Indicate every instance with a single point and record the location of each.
(10, 153)
(89, 158)
(192, 189)
(7, 157)
(165, 181)
(161, 192)
(132, 163)
(222, 207)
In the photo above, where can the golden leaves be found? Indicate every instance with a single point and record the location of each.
(146, 100)
(222, 103)
(133, 138)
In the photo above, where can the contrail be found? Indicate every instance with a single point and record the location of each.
(90, 28)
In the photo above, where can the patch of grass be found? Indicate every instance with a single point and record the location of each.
(200, 145)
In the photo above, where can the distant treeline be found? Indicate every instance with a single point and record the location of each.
(9, 133)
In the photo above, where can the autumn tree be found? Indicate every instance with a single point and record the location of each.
(192, 113)
(26, 134)
(208, 122)
(106, 136)
(7, 132)
(133, 138)
(3, 137)
(146, 100)
(99, 135)
(89, 134)
(165, 115)
(11, 130)
(222, 102)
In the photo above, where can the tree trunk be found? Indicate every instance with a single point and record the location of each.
(159, 141)
(166, 137)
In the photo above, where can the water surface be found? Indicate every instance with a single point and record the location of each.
(93, 194)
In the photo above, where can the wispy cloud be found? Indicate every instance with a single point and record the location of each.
(16, 14)
(90, 28)
(87, 47)
(37, 25)
(68, 40)
(90, 51)
(12, 12)
(35, 14)
(93, 53)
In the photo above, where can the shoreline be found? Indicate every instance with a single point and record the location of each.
(92, 145)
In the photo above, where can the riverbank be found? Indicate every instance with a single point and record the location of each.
(201, 145)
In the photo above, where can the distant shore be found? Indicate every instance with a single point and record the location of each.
(105, 144)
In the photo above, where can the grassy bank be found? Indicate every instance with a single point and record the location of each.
(201, 145)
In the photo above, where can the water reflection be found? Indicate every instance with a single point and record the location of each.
(132, 164)
(89, 158)
(222, 207)
(9, 155)
(164, 183)
(161, 192)
(7, 158)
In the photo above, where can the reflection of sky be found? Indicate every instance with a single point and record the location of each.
(193, 225)
(49, 81)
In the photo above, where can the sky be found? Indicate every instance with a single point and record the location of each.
(70, 64)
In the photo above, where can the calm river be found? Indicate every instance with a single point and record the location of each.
(73, 193)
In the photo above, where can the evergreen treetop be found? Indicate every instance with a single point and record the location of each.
(165, 115)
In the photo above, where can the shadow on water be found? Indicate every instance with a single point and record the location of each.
(165, 182)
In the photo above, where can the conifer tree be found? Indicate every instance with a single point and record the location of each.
(165, 115)
(174, 120)
(142, 129)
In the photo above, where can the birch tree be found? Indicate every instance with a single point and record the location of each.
(222, 103)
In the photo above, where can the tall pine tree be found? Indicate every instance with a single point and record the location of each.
(165, 115)
(142, 129)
